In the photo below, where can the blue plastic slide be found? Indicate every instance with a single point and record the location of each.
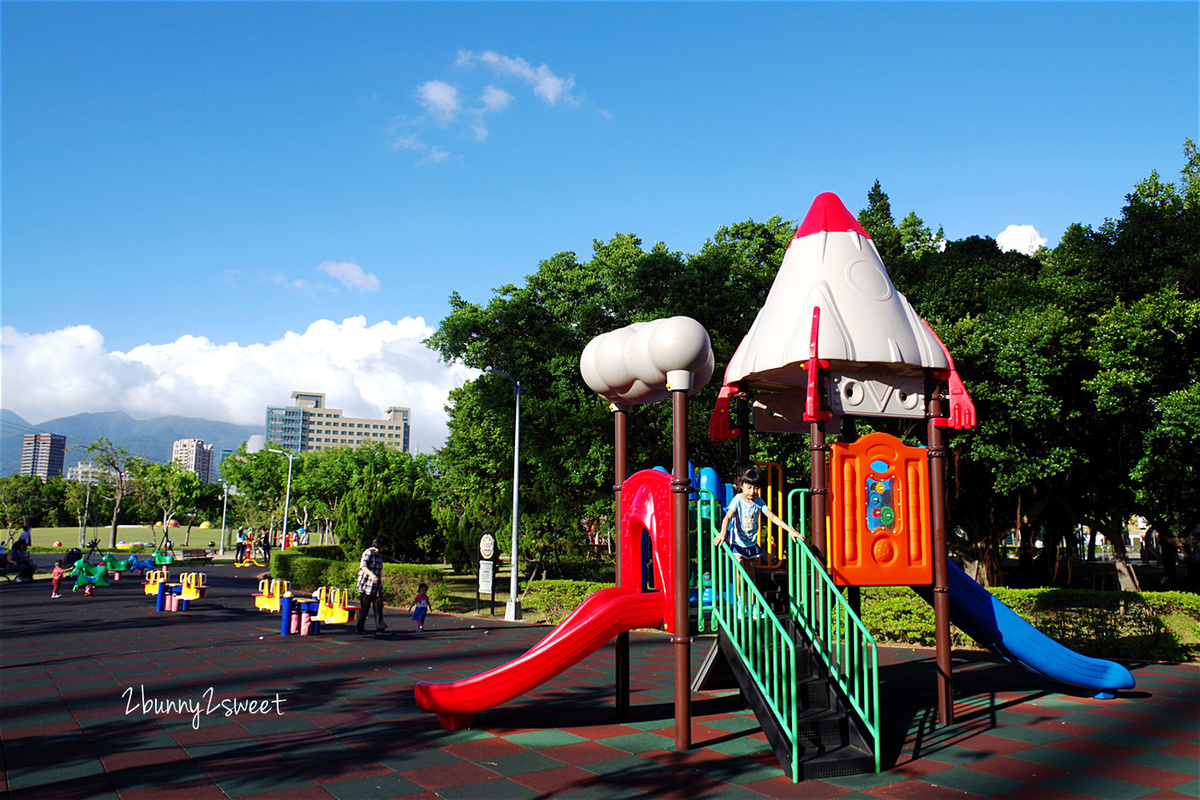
(977, 613)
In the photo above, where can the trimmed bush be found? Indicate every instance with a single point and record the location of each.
(332, 552)
(1160, 626)
(400, 581)
(556, 599)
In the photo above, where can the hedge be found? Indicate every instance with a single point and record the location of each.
(1160, 626)
(309, 567)
(556, 599)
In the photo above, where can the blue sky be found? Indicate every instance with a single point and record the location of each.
(199, 197)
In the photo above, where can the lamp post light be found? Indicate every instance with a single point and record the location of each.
(287, 494)
(512, 611)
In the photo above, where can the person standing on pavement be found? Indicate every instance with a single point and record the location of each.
(370, 585)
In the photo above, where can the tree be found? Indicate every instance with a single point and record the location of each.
(118, 481)
(1147, 359)
(171, 489)
(391, 498)
(537, 332)
(21, 500)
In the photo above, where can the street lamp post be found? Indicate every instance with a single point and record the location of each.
(224, 509)
(287, 494)
(512, 611)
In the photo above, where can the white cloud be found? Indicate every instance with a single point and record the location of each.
(440, 100)
(494, 99)
(351, 275)
(546, 85)
(362, 369)
(411, 141)
(1022, 238)
(443, 107)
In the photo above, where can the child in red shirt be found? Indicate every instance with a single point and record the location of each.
(56, 576)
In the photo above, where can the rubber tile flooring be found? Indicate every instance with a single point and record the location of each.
(102, 697)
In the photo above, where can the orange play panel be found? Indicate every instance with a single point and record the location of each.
(879, 532)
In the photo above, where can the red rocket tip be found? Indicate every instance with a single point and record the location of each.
(829, 214)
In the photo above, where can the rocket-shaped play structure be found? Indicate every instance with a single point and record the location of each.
(833, 342)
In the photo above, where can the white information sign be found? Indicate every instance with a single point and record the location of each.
(485, 576)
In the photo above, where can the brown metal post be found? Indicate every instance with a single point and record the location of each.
(620, 472)
(819, 491)
(681, 637)
(941, 577)
(741, 420)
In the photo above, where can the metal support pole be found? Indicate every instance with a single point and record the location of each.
(941, 577)
(620, 472)
(681, 638)
(816, 449)
(224, 509)
(287, 493)
(512, 611)
(741, 421)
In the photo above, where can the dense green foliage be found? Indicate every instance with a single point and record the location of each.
(555, 599)
(1083, 362)
(308, 568)
(536, 333)
(349, 495)
(1152, 625)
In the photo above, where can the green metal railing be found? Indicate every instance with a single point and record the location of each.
(837, 634)
(760, 639)
(817, 606)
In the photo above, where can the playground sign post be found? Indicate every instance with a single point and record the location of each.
(487, 571)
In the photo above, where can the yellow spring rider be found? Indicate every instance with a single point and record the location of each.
(153, 579)
(269, 594)
(192, 586)
(333, 605)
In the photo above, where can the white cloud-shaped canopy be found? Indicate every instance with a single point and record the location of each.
(637, 364)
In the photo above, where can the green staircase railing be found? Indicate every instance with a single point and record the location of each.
(817, 606)
(760, 639)
(836, 632)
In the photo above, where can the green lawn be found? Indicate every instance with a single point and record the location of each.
(44, 538)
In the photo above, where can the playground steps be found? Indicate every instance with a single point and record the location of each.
(829, 742)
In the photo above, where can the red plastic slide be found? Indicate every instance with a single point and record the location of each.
(589, 627)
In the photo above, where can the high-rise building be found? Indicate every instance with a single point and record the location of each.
(308, 424)
(194, 456)
(42, 455)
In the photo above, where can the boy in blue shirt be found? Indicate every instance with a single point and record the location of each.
(747, 509)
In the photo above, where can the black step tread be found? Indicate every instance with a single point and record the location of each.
(826, 746)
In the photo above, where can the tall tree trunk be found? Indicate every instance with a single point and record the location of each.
(112, 544)
(1127, 579)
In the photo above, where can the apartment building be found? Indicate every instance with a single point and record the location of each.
(87, 472)
(42, 454)
(308, 424)
(194, 456)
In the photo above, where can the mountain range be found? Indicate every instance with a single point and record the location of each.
(150, 438)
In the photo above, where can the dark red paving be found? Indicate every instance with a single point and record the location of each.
(349, 728)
